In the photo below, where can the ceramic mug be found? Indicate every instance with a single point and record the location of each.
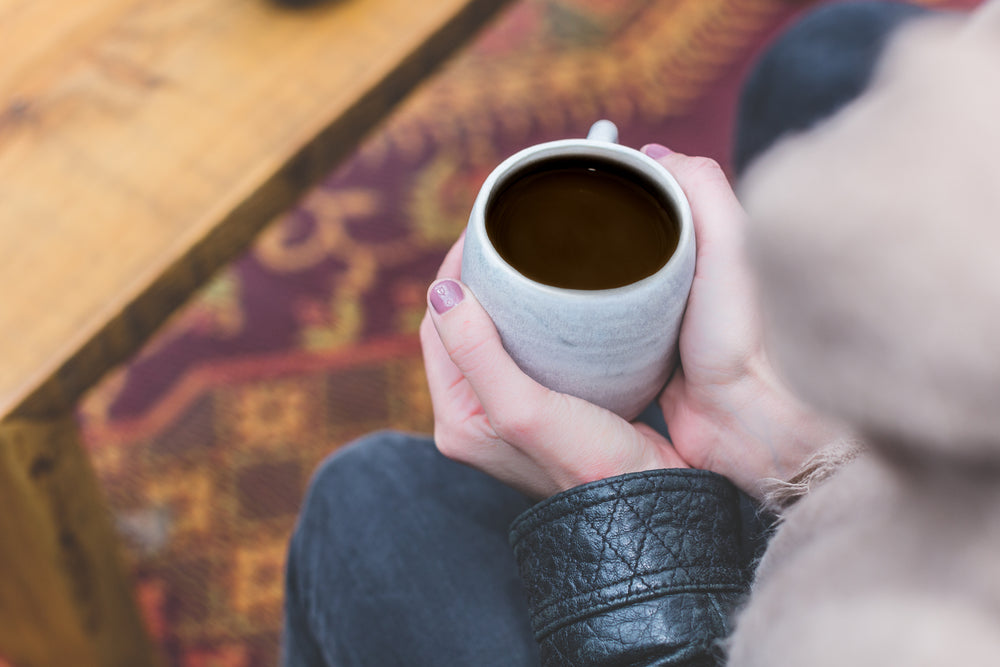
(613, 347)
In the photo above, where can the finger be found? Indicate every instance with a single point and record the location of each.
(723, 291)
(451, 267)
(472, 343)
(718, 216)
(442, 375)
(574, 441)
(665, 454)
(454, 436)
(441, 372)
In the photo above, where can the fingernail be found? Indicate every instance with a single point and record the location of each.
(656, 151)
(445, 295)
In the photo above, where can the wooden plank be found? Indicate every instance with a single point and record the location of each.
(63, 600)
(143, 143)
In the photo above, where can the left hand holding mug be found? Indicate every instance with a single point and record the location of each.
(488, 414)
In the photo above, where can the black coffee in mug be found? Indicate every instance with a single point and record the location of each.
(581, 223)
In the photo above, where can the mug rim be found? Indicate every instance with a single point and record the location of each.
(584, 147)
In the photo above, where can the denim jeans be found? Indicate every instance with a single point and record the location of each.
(400, 556)
(820, 64)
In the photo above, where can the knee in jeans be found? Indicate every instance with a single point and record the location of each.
(361, 465)
(816, 67)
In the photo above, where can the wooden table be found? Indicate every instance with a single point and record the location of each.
(142, 144)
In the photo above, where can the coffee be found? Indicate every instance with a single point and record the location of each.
(581, 223)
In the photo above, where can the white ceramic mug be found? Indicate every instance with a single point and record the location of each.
(613, 347)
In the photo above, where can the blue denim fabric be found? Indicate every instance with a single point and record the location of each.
(822, 62)
(400, 556)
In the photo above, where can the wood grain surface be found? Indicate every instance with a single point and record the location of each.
(63, 598)
(143, 143)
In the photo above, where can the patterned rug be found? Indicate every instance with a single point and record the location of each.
(206, 441)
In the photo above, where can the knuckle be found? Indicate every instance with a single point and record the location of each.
(454, 444)
(445, 440)
(706, 167)
(519, 422)
(471, 351)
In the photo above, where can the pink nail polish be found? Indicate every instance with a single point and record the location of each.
(445, 295)
(656, 151)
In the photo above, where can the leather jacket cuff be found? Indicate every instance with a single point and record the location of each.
(635, 566)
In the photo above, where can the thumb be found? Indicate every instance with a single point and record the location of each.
(474, 346)
(718, 216)
(571, 440)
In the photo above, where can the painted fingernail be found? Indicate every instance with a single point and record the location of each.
(656, 151)
(445, 295)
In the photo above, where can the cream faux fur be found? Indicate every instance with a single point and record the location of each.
(876, 568)
(876, 239)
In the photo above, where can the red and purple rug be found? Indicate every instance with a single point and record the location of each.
(206, 441)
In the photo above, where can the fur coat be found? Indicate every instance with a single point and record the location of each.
(876, 242)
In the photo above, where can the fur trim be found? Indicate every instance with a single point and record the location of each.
(779, 495)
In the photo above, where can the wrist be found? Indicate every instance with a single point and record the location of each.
(785, 431)
(755, 430)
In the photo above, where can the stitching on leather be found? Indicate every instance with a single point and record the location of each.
(644, 520)
(620, 499)
(610, 547)
(618, 601)
(575, 600)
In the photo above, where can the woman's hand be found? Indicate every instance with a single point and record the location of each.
(725, 406)
(490, 415)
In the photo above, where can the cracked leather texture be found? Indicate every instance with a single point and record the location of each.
(640, 569)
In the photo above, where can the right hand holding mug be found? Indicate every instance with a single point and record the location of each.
(726, 408)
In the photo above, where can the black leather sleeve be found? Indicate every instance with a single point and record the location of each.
(641, 569)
